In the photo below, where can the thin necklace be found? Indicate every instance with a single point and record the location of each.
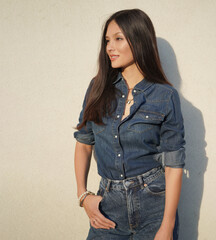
(129, 100)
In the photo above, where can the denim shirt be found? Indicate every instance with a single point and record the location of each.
(150, 136)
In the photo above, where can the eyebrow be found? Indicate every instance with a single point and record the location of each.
(114, 34)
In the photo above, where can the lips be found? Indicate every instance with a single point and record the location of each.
(113, 57)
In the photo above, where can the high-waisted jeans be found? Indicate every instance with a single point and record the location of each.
(135, 204)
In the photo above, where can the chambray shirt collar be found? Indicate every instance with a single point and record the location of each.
(142, 85)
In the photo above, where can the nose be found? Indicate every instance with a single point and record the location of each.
(110, 46)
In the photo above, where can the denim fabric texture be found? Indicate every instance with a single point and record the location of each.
(150, 136)
(135, 204)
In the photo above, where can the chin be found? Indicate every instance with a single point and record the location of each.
(116, 65)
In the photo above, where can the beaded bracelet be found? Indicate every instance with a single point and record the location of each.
(81, 202)
(82, 195)
(85, 195)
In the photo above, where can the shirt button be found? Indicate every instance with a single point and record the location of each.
(118, 116)
(134, 90)
(119, 155)
(116, 136)
(123, 95)
(147, 116)
(121, 175)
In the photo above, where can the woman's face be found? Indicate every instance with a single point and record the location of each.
(117, 47)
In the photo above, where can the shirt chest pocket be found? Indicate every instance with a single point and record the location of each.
(144, 121)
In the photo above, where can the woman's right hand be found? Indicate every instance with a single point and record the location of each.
(97, 219)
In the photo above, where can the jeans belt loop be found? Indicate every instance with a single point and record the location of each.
(141, 181)
(108, 185)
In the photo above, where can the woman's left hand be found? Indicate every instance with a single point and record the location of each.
(164, 234)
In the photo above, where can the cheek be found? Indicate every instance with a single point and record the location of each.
(128, 54)
(125, 49)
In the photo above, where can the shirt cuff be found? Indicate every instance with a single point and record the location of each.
(174, 159)
(86, 138)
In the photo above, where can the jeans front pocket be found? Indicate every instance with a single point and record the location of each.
(157, 186)
(101, 192)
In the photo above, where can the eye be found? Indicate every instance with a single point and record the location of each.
(106, 41)
(118, 38)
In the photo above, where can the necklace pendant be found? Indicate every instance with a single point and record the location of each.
(129, 101)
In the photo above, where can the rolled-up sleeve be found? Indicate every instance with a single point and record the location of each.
(85, 134)
(172, 134)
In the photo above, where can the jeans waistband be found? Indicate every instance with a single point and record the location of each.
(141, 180)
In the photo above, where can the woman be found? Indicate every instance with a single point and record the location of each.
(132, 116)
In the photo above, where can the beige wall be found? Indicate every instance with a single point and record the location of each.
(48, 54)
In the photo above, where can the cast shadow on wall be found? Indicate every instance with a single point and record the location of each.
(196, 159)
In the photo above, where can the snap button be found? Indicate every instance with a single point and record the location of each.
(119, 155)
(147, 116)
(118, 116)
(116, 136)
(123, 95)
(134, 90)
(121, 175)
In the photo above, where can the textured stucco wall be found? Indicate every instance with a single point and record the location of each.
(48, 56)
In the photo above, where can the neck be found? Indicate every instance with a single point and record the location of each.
(132, 75)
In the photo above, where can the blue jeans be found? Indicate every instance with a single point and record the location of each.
(135, 204)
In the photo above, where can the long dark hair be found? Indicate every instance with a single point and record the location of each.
(140, 34)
